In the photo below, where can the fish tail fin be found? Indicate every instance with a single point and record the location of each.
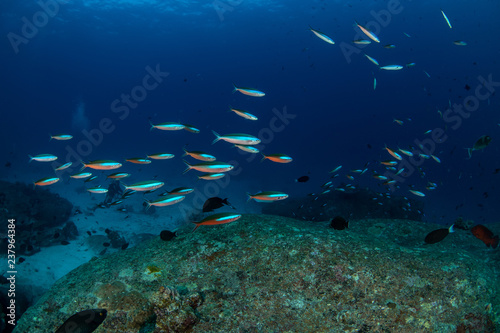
(148, 203)
(249, 197)
(152, 126)
(196, 227)
(469, 151)
(217, 137)
(50, 135)
(185, 151)
(263, 158)
(189, 167)
(83, 165)
(31, 158)
(234, 88)
(451, 229)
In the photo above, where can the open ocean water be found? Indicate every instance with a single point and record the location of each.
(104, 71)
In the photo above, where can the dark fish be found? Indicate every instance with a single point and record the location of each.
(167, 235)
(90, 234)
(56, 235)
(84, 321)
(20, 260)
(339, 223)
(438, 235)
(64, 243)
(467, 87)
(90, 179)
(302, 179)
(481, 143)
(215, 203)
(486, 235)
(106, 244)
(124, 246)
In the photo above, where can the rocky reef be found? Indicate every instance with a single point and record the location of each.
(351, 203)
(38, 213)
(275, 274)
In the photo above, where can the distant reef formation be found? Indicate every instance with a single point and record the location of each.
(273, 274)
(35, 210)
(352, 204)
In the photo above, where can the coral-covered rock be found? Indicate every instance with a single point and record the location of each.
(36, 210)
(274, 274)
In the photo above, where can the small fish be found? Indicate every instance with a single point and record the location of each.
(486, 235)
(138, 160)
(190, 128)
(237, 138)
(374, 83)
(397, 121)
(339, 223)
(418, 193)
(167, 235)
(90, 179)
(64, 243)
(406, 152)
(161, 156)
(361, 41)
(407, 35)
(81, 175)
(212, 176)
(372, 60)
(278, 158)
(389, 163)
(215, 219)
(165, 201)
(446, 18)
(393, 153)
(244, 114)
(322, 36)
(199, 155)
(460, 43)
(118, 175)
(97, 190)
(390, 46)
(84, 321)
(46, 181)
(438, 235)
(101, 165)
(209, 167)
(368, 33)
(435, 158)
(392, 67)
(267, 196)
(167, 126)
(410, 64)
(215, 203)
(248, 91)
(302, 179)
(43, 158)
(61, 137)
(64, 166)
(148, 185)
(181, 190)
(428, 75)
(480, 144)
(248, 149)
(336, 169)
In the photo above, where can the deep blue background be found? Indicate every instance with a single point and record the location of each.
(93, 51)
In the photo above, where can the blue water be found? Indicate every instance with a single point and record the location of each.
(65, 77)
